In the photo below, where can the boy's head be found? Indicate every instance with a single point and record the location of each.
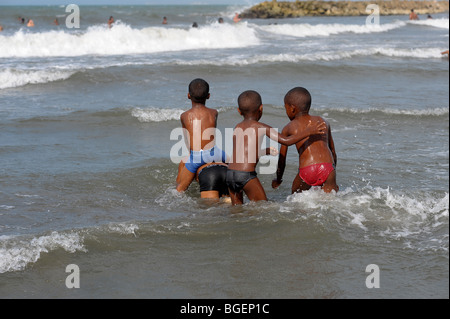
(250, 103)
(297, 100)
(198, 91)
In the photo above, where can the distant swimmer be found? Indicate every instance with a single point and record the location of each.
(30, 23)
(164, 20)
(195, 25)
(236, 18)
(1, 28)
(429, 17)
(110, 21)
(413, 15)
(56, 22)
(220, 20)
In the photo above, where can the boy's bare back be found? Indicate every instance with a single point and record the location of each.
(196, 121)
(317, 155)
(199, 124)
(314, 149)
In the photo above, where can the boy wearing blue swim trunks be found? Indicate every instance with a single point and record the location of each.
(199, 123)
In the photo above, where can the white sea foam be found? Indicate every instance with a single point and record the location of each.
(425, 112)
(16, 253)
(437, 23)
(125, 229)
(309, 30)
(421, 53)
(123, 39)
(156, 115)
(11, 78)
(146, 115)
(380, 212)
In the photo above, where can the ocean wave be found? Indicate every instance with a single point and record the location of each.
(156, 115)
(419, 221)
(436, 23)
(420, 53)
(439, 111)
(16, 253)
(309, 30)
(11, 78)
(123, 39)
(146, 115)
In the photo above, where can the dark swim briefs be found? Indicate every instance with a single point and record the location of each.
(236, 180)
(213, 178)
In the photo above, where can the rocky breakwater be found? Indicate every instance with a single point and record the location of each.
(284, 9)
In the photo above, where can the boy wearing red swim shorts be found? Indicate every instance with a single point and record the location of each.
(317, 155)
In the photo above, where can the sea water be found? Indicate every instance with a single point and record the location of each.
(86, 176)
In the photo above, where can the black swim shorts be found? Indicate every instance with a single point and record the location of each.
(236, 180)
(213, 178)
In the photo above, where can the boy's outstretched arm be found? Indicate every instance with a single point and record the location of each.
(311, 129)
(281, 160)
(281, 166)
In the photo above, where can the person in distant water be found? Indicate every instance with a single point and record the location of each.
(30, 23)
(195, 25)
(317, 155)
(248, 136)
(56, 22)
(164, 20)
(236, 17)
(413, 15)
(1, 28)
(429, 17)
(195, 122)
(22, 20)
(110, 21)
(220, 20)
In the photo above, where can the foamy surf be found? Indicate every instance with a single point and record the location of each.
(325, 30)
(124, 39)
(436, 23)
(16, 252)
(378, 212)
(156, 115)
(12, 78)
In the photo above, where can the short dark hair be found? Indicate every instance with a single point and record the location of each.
(300, 98)
(199, 90)
(249, 102)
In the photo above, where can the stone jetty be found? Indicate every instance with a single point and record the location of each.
(295, 9)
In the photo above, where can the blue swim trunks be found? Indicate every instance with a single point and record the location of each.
(199, 158)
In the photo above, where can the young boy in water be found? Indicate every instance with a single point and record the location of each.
(317, 155)
(199, 123)
(247, 139)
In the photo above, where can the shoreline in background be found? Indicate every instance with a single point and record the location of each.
(283, 9)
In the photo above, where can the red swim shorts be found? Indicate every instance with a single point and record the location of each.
(317, 174)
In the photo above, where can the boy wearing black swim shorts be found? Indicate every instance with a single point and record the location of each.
(247, 139)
